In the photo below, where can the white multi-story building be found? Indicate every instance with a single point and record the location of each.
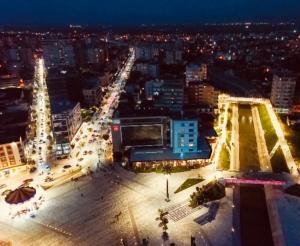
(147, 68)
(92, 92)
(166, 93)
(66, 120)
(143, 52)
(202, 93)
(195, 72)
(58, 53)
(94, 55)
(11, 155)
(283, 90)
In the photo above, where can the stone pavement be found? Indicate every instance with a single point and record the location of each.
(111, 206)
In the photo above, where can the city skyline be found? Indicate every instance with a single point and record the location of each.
(138, 122)
(135, 13)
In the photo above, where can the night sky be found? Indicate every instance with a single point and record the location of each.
(137, 12)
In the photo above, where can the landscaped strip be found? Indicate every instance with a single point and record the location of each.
(224, 158)
(292, 136)
(188, 183)
(278, 162)
(214, 190)
(270, 133)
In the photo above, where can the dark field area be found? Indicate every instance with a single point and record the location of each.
(278, 162)
(248, 147)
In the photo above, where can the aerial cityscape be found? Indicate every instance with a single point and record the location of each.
(150, 123)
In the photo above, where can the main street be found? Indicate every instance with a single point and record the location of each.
(37, 148)
(90, 149)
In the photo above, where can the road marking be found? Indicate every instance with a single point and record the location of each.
(53, 228)
(133, 223)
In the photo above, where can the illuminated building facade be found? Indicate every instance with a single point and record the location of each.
(195, 72)
(11, 154)
(184, 136)
(66, 120)
(283, 90)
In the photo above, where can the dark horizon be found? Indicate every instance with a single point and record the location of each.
(136, 13)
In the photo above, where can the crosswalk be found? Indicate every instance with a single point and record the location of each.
(180, 211)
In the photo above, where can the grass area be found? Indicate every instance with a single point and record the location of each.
(270, 134)
(224, 158)
(214, 190)
(225, 155)
(278, 162)
(292, 137)
(247, 140)
(188, 183)
(228, 137)
(229, 127)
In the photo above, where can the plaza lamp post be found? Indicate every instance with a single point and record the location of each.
(167, 187)
(167, 172)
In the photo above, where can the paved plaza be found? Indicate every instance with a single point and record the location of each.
(111, 205)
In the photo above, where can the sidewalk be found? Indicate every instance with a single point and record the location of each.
(277, 232)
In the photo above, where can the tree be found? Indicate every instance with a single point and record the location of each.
(163, 223)
(193, 200)
(167, 169)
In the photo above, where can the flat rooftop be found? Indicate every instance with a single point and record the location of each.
(91, 83)
(61, 105)
(9, 135)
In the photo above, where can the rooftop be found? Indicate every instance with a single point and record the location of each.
(62, 105)
(9, 135)
(91, 83)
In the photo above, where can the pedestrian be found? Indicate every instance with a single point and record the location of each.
(81, 194)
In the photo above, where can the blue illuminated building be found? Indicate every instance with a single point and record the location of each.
(184, 136)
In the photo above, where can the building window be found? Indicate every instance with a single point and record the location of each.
(191, 130)
(191, 124)
(182, 124)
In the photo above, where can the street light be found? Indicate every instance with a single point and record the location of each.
(167, 187)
